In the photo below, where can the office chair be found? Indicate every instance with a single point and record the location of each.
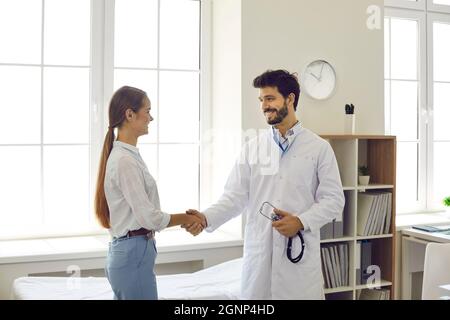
(436, 270)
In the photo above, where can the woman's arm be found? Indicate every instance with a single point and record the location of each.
(183, 218)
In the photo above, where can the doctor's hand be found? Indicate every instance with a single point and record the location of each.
(195, 228)
(288, 225)
(193, 224)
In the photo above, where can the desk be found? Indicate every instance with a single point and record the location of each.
(414, 243)
(446, 287)
(446, 290)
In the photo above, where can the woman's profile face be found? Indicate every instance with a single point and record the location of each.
(143, 118)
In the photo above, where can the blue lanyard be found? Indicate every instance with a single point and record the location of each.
(277, 140)
(281, 147)
(279, 143)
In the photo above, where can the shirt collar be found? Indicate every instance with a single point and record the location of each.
(126, 146)
(290, 134)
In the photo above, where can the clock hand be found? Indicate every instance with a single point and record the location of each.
(318, 79)
(320, 75)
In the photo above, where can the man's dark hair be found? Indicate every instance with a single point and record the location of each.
(286, 83)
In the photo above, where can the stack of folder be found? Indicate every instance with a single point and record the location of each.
(363, 260)
(335, 259)
(374, 213)
(375, 294)
(332, 230)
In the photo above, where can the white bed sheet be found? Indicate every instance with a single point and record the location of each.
(220, 282)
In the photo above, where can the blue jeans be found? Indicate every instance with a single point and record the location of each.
(129, 268)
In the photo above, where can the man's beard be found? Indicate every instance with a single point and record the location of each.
(280, 115)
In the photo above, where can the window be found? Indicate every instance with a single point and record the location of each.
(44, 141)
(417, 99)
(167, 66)
(57, 73)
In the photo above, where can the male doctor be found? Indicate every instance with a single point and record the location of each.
(302, 182)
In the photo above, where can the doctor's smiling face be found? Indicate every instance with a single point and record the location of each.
(275, 107)
(279, 91)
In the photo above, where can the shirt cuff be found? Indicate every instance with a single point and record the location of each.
(304, 220)
(210, 225)
(164, 221)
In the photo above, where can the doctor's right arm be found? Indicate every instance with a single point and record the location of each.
(234, 198)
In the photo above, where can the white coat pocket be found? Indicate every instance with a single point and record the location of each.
(303, 171)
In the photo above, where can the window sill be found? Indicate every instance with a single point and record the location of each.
(88, 247)
(405, 221)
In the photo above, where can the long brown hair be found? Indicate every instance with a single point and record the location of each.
(123, 99)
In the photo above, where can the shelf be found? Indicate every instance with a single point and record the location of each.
(384, 283)
(376, 236)
(349, 137)
(350, 238)
(375, 186)
(378, 153)
(338, 289)
(337, 240)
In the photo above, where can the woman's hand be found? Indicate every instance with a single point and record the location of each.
(197, 224)
(193, 221)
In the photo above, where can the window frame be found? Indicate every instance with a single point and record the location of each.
(438, 8)
(431, 19)
(424, 11)
(100, 90)
(417, 5)
(42, 65)
(421, 112)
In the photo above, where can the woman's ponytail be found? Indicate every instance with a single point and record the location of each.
(101, 206)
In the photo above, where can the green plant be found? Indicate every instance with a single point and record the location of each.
(364, 170)
(446, 202)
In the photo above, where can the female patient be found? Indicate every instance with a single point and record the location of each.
(127, 201)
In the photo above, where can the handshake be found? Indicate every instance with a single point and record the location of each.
(195, 222)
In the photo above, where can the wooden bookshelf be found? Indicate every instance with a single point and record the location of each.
(378, 153)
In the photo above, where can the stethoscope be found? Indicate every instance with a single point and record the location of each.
(275, 217)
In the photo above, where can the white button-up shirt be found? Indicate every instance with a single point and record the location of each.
(290, 136)
(131, 193)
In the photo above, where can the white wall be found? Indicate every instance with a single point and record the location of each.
(291, 33)
(227, 86)
(226, 117)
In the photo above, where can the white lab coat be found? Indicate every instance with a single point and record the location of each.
(305, 183)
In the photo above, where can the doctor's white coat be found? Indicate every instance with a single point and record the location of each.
(304, 181)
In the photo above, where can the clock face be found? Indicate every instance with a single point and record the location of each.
(319, 80)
